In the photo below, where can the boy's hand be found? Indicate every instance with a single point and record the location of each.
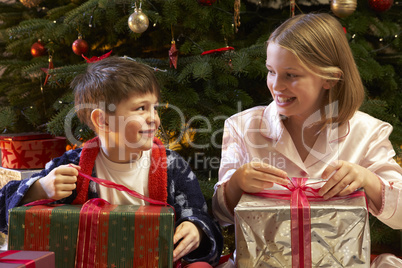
(189, 238)
(60, 182)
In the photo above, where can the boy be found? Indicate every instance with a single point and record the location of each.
(117, 98)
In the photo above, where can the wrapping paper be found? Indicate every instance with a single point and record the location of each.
(30, 152)
(127, 235)
(339, 233)
(7, 175)
(28, 259)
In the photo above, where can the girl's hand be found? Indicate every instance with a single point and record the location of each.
(254, 177)
(60, 182)
(346, 178)
(189, 238)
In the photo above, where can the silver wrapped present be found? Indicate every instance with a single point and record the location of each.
(338, 233)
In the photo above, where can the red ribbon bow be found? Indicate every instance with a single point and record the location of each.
(299, 194)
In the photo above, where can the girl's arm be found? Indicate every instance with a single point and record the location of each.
(376, 172)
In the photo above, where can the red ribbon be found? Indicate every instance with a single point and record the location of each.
(27, 263)
(299, 195)
(88, 232)
(89, 220)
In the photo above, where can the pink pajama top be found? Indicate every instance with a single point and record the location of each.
(258, 134)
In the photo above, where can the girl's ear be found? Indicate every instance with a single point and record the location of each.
(330, 83)
(98, 118)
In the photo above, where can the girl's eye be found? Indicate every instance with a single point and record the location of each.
(270, 72)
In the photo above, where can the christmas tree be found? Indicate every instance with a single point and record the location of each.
(208, 55)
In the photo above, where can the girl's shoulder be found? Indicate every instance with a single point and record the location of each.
(364, 120)
(251, 112)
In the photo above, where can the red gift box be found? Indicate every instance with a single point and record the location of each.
(30, 150)
(28, 259)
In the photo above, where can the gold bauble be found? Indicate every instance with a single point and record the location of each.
(31, 3)
(343, 8)
(138, 21)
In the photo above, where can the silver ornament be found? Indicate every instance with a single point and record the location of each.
(138, 21)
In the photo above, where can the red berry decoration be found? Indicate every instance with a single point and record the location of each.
(380, 5)
(38, 49)
(80, 46)
(206, 2)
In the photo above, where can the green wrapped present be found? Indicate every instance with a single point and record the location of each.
(109, 236)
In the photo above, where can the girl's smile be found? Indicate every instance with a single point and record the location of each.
(296, 90)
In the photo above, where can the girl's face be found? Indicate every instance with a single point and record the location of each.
(132, 127)
(297, 92)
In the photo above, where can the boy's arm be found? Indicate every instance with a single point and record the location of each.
(190, 205)
(13, 193)
(57, 184)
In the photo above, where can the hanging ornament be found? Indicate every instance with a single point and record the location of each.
(31, 3)
(206, 2)
(138, 21)
(173, 55)
(38, 49)
(380, 5)
(46, 70)
(80, 46)
(343, 8)
(292, 8)
(236, 15)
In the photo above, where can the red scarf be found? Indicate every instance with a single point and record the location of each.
(157, 183)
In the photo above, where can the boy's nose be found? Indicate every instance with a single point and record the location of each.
(151, 117)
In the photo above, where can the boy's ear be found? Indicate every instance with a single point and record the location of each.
(98, 118)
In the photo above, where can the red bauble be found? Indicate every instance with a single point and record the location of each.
(80, 46)
(38, 49)
(380, 5)
(206, 2)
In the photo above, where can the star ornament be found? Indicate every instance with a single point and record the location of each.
(46, 71)
(173, 55)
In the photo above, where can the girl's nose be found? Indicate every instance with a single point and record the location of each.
(277, 83)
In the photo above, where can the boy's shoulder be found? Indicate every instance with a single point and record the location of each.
(172, 156)
(70, 156)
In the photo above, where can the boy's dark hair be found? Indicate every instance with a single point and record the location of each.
(107, 82)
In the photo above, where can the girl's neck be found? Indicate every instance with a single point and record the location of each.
(303, 136)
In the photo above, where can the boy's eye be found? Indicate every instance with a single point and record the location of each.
(142, 108)
(292, 75)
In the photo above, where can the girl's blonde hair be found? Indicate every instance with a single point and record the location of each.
(319, 42)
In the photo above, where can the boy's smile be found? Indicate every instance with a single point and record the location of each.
(131, 128)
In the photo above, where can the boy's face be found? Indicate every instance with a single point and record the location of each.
(132, 127)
